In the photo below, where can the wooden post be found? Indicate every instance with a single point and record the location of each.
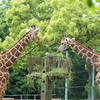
(46, 91)
(49, 90)
(44, 85)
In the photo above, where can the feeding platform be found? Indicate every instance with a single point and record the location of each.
(55, 67)
(48, 69)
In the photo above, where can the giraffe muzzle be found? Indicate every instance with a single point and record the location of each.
(58, 51)
(36, 30)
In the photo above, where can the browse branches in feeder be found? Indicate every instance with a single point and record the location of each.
(57, 67)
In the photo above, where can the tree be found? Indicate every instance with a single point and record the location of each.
(54, 17)
(4, 5)
(79, 77)
(17, 83)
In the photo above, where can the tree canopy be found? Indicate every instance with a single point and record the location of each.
(55, 17)
(4, 5)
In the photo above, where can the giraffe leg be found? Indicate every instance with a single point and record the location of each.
(98, 79)
(1, 95)
(2, 91)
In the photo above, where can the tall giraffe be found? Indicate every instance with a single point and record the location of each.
(89, 56)
(9, 56)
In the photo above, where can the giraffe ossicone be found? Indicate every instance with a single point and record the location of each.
(88, 55)
(9, 56)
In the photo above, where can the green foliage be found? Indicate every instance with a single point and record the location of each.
(59, 92)
(97, 0)
(54, 72)
(58, 68)
(96, 90)
(3, 25)
(34, 84)
(54, 17)
(78, 78)
(17, 83)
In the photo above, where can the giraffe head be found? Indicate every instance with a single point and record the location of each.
(65, 43)
(34, 33)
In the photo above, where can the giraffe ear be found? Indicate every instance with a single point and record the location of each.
(73, 38)
(33, 26)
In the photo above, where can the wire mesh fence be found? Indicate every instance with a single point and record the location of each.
(56, 66)
(58, 91)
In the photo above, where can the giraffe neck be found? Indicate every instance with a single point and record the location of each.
(9, 56)
(89, 56)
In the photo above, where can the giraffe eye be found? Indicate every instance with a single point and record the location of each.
(62, 43)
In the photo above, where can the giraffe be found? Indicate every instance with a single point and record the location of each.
(9, 56)
(89, 56)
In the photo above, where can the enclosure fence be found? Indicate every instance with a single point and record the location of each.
(54, 69)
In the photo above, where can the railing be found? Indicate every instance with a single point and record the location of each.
(21, 96)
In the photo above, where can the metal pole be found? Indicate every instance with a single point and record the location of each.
(34, 97)
(21, 97)
(66, 83)
(93, 70)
